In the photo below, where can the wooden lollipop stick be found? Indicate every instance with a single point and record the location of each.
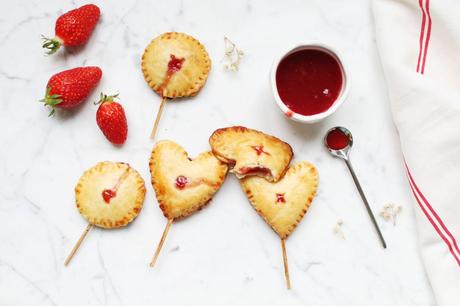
(157, 119)
(160, 244)
(286, 268)
(77, 245)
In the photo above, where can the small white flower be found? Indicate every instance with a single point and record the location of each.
(389, 212)
(232, 56)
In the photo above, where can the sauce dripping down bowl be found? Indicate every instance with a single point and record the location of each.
(309, 82)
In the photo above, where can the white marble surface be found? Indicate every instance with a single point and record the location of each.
(225, 254)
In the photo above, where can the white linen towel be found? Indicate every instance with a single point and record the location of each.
(419, 46)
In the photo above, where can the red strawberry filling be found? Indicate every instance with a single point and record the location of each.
(181, 182)
(174, 65)
(260, 150)
(258, 170)
(108, 194)
(280, 198)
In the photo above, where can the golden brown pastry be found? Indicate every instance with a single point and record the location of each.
(175, 65)
(110, 194)
(250, 152)
(183, 185)
(283, 204)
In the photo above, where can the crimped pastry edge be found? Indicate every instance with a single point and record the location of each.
(200, 205)
(198, 83)
(106, 223)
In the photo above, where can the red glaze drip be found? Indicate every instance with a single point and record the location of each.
(108, 194)
(181, 181)
(289, 113)
(309, 81)
(174, 65)
(337, 140)
(260, 150)
(280, 198)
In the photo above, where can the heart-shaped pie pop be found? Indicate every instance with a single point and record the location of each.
(250, 152)
(183, 185)
(284, 203)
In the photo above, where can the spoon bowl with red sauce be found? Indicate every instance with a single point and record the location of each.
(309, 82)
(338, 141)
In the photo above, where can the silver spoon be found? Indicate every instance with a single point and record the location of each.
(342, 151)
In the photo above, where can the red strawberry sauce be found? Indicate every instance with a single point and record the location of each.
(337, 139)
(309, 81)
(108, 194)
(259, 150)
(181, 181)
(280, 198)
(174, 65)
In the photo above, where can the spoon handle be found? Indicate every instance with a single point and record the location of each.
(366, 203)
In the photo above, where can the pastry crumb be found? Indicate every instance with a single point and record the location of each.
(232, 56)
(338, 229)
(390, 211)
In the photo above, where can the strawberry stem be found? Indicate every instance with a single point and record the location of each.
(51, 100)
(106, 98)
(52, 44)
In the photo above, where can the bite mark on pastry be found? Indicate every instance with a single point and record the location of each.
(254, 170)
(236, 146)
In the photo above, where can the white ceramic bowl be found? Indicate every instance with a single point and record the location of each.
(340, 99)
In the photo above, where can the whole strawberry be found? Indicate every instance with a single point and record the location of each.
(111, 119)
(71, 87)
(73, 28)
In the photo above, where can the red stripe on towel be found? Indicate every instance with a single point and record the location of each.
(422, 34)
(428, 34)
(437, 222)
(435, 226)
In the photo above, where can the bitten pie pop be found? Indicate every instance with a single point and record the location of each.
(175, 65)
(251, 152)
(183, 185)
(108, 195)
(281, 196)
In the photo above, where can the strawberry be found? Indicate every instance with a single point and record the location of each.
(73, 28)
(111, 119)
(71, 87)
